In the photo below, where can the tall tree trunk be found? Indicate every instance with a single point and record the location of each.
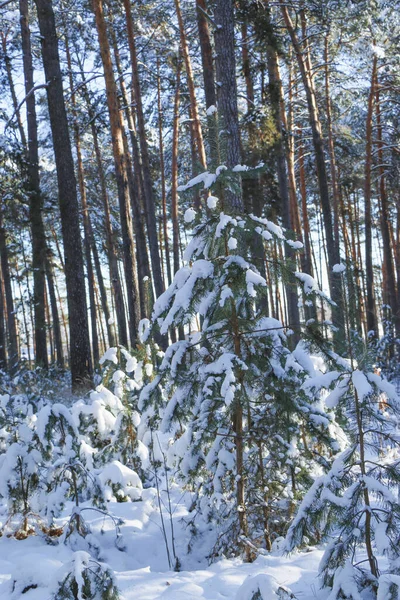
(7, 63)
(111, 242)
(80, 362)
(121, 171)
(247, 68)
(331, 146)
(372, 324)
(11, 319)
(136, 184)
(227, 103)
(333, 251)
(174, 173)
(110, 238)
(150, 209)
(209, 80)
(385, 219)
(192, 92)
(227, 97)
(35, 197)
(304, 210)
(162, 174)
(3, 342)
(85, 213)
(49, 329)
(264, 26)
(54, 311)
(289, 138)
(102, 288)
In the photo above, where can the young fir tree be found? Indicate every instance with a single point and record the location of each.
(86, 578)
(228, 392)
(109, 422)
(356, 503)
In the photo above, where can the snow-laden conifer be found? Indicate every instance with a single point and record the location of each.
(355, 504)
(84, 578)
(229, 392)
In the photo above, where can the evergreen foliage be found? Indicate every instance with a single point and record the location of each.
(228, 392)
(86, 579)
(355, 504)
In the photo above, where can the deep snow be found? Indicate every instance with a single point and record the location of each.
(141, 568)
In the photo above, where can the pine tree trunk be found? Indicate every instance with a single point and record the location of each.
(162, 175)
(304, 210)
(289, 138)
(331, 146)
(3, 342)
(11, 321)
(85, 213)
(136, 185)
(247, 68)
(206, 54)
(7, 63)
(35, 197)
(111, 247)
(237, 425)
(209, 80)
(102, 288)
(80, 362)
(276, 102)
(333, 251)
(227, 97)
(150, 209)
(192, 92)
(385, 218)
(49, 329)
(174, 173)
(121, 171)
(54, 311)
(111, 243)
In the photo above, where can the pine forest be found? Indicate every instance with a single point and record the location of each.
(199, 299)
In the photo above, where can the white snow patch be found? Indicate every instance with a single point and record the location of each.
(189, 215)
(212, 202)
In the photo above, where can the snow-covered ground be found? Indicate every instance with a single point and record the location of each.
(30, 569)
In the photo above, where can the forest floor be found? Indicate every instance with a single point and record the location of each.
(30, 568)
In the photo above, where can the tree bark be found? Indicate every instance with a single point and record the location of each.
(35, 197)
(162, 175)
(331, 145)
(54, 310)
(150, 209)
(174, 173)
(333, 251)
(102, 288)
(3, 342)
(192, 92)
(264, 26)
(11, 320)
(209, 80)
(227, 97)
(385, 218)
(121, 171)
(85, 213)
(80, 363)
(136, 184)
(17, 112)
(372, 324)
(111, 242)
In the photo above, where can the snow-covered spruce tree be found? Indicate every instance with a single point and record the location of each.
(86, 578)
(108, 424)
(356, 504)
(39, 463)
(227, 393)
(20, 461)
